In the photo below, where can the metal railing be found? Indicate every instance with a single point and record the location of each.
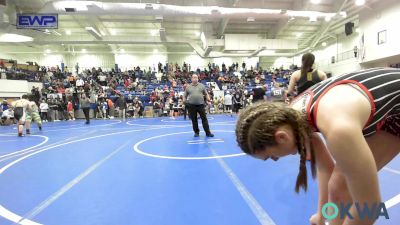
(345, 55)
(337, 58)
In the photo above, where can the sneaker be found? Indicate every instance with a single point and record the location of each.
(28, 131)
(210, 135)
(40, 128)
(19, 134)
(196, 135)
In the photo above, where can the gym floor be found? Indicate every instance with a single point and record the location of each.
(153, 172)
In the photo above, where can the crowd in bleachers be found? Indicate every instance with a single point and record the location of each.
(130, 93)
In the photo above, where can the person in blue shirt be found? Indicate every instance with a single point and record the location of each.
(4, 105)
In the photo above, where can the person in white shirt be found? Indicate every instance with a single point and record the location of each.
(79, 82)
(228, 102)
(159, 76)
(102, 79)
(8, 113)
(7, 117)
(44, 108)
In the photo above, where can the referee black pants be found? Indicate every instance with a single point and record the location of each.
(200, 109)
(86, 112)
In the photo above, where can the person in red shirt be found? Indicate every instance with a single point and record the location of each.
(111, 108)
(70, 109)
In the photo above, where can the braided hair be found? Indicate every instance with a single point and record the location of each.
(256, 129)
(307, 61)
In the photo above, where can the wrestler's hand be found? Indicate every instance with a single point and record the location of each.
(317, 219)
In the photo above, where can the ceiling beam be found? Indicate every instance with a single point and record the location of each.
(275, 30)
(148, 21)
(266, 4)
(84, 24)
(306, 41)
(222, 26)
(257, 22)
(256, 52)
(104, 30)
(325, 27)
(284, 22)
(303, 31)
(96, 23)
(224, 21)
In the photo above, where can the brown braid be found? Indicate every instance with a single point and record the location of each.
(256, 128)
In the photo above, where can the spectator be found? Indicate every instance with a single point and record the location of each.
(215, 105)
(138, 108)
(355, 51)
(53, 109)
(85, 106)
(110, 108)
(7, 117)
(277, 93)
(44, 107)
(307, 76)
(105, 109)
(70, 110)
(4, 105)
(228, 103)
(102, 79)
(121, 104)
(157, 108)
(80, 82)
(237, 102)
(258, 94)
(171, 104)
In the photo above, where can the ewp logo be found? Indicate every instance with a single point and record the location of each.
(37, 21)
(364, 211)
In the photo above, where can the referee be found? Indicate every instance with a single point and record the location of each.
(194, 98)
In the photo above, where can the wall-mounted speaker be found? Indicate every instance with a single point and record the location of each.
(348, 28)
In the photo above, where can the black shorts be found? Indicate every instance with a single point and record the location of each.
(236, 107)
(18, 113)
